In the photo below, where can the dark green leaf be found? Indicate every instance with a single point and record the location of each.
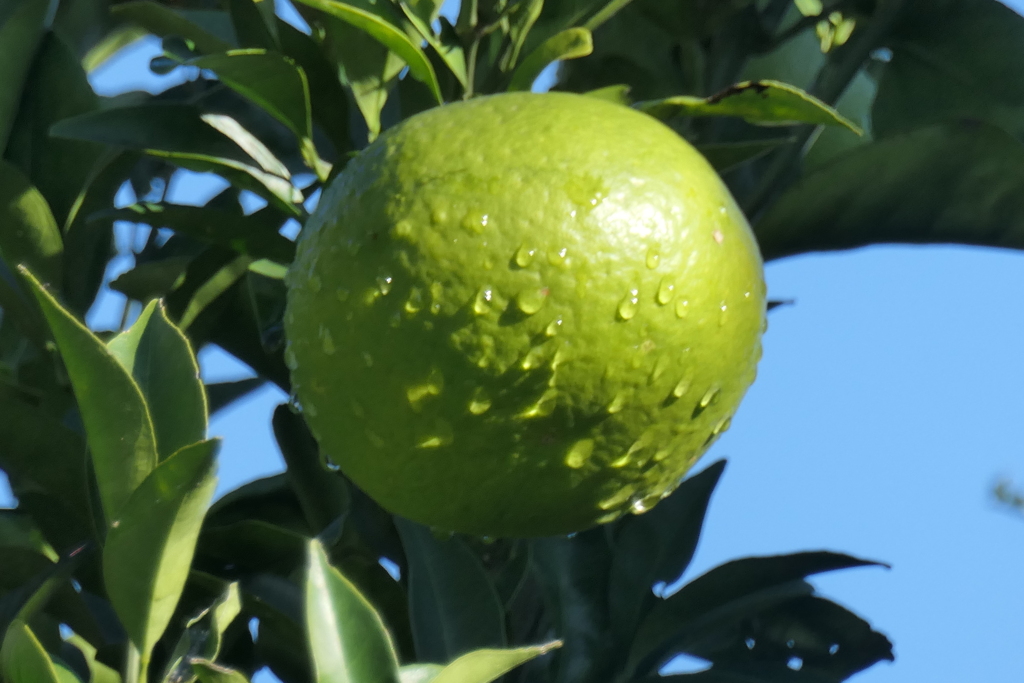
(161, 361)
(204, 635)
(725, 156)
(953, 59)
(387, 34)
(574, 574)
(21, 28)
(208, 672)
(484, 666)
(347, 639)
(251, 545)
(152, 280)
(30, 236)
(117, 423)
(58, 89)
(724, 596)
(220, 395)
(765, 103)
(656, 547)
(213, 288)
(569, 44)
(164, 21)
(961, 184)
(255, 23)
(452, 602)
(323, 494)
(149, 546)
(23, 659)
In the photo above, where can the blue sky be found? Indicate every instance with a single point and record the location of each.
(887, 405)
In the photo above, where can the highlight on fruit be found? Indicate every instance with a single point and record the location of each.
(523, 314)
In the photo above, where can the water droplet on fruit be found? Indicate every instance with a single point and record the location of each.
(719, 237)
(620, 462)
(482, 301)
(723, 317)
(342, 294)
(709, 397)
(617, 402)
(480, 402)
(384, 284)
(666, 290)
(475, 222)
(579, 453)
(309, 409)
(403, 228)
(289, 357)
(415, 301)
(653, 257)
(617, 499)
(374, 439)
(532, 300)
(552, 329)
(368, 359)
(639, 506)
(723, 425)
(326, 340)
(440, 434)
(315, 283)
(557, 258)
(722, 210)
(370, 296)
(544, 406)
(436, 292)
(627, 307)
(524, 255)
(533, 358)
(682, 308)
(439, 214)
(660, 366)
(661, 454)
(681, 387)
(357, 409)
(432, 386)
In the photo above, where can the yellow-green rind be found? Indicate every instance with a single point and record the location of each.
(524, 314)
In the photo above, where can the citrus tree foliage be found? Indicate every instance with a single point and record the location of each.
(836, 124)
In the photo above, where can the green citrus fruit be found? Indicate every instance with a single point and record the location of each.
(523, 314)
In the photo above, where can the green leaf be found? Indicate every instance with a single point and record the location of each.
(725, 597)
(522, 16)
(255, 23)
(419, 673)
(484, 666)
(387, 34)
(574, 575)
(203, 634)
(725, 156)
(163, 21)
(213, 288)
(765, 103)
(569, 44)
(98, 671)
(118, 426)
(160, 359)
(347, 639)
(447, 46)
(274, 83)
(149, 546)
(208, 672)
(452, 602)
(116, 40)
(961, 184)
(57, 89)
(952, 59)
(21, 28)
(30, 235)
(619, 94)
(220, 395)
(323, 494)
(656, 547)
(23, 659)
(255, 235)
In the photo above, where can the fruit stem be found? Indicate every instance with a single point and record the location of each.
(828, 87)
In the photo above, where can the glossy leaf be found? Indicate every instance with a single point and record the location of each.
(388, 35)
(58, 88)
(484, 666)
(23, 659)
(961, 184)
(656, 547)
(952, 59)
(277, 85)
(208, 672)
(765, 103)
(149, 546)
(118, 426)
(213, 288)
(160, 359)
(30, 235)
(446, 45)
(419, 673)
(574, 574)
(347, 639)
(569, 44)
(725, 595)
(21, 28)
(452, 602)
(163, 21)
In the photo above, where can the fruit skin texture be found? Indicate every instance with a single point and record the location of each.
(524, 314)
